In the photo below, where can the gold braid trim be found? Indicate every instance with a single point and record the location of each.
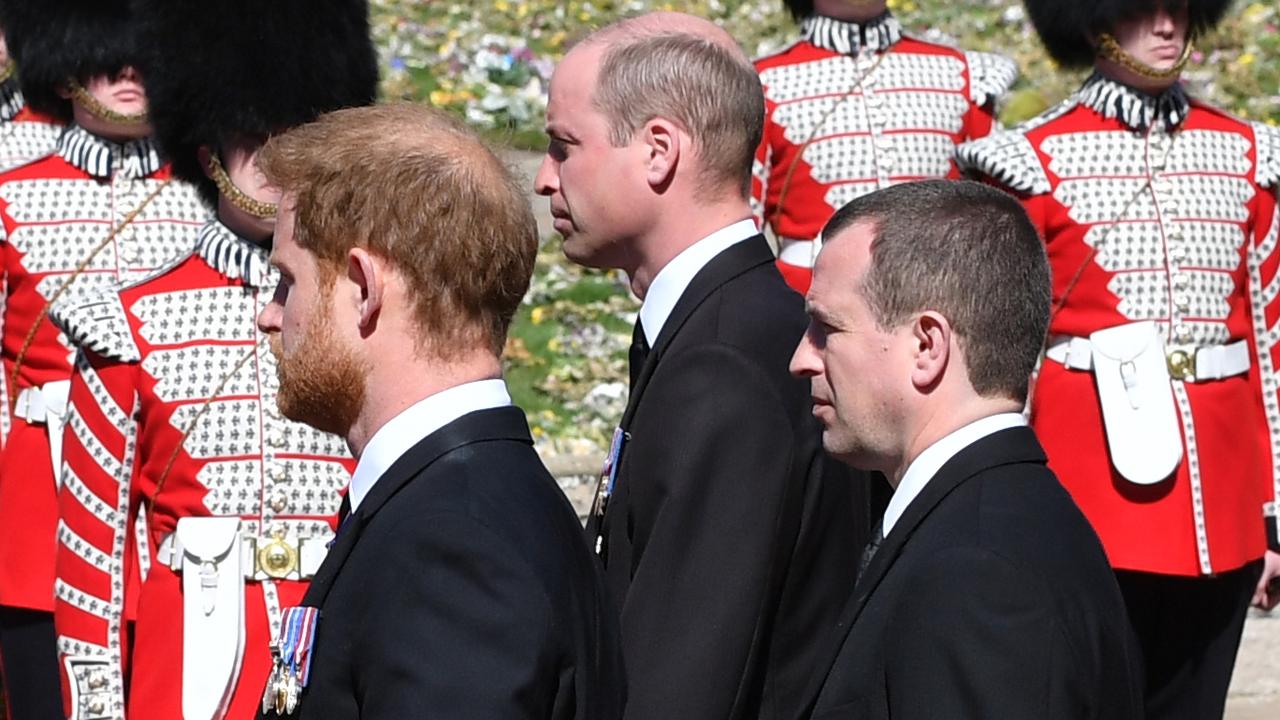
(238, 197)
(84, 264)
(100, 111)
(1109, 49)
(6, 72)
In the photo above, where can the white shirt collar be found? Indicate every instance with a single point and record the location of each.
(672, 280)
(928, 463)
(415, 423)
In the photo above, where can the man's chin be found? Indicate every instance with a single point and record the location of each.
(320, 416)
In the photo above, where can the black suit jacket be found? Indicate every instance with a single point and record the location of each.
(461, 588)
(990, 598)
(728, 547)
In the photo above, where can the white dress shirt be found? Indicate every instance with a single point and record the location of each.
(416, 422)
(928, 463)
(671, 282)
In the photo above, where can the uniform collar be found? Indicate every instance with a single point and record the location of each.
(234, 256)
(849, 38)
(1136, 109)
(10, 99)
(99, 157)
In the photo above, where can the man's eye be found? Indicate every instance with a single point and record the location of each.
(557, 149)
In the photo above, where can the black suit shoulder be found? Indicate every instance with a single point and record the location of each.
(469, 592)
(991, 597)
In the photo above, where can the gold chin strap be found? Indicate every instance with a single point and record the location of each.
(1109, 49)
(256, 208)
(100, 111)
(6, 72)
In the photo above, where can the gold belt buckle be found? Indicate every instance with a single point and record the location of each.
(277, 558)
(1182, 364)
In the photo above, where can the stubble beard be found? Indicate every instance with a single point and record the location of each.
(322, 383)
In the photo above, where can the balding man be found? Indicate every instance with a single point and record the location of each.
(728, 547)
(459, 585)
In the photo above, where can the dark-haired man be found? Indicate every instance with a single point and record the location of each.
(1157, 400)
(985, 593)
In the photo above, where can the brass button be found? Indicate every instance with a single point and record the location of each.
(279, 502)
(277, 559)
(1182, 364)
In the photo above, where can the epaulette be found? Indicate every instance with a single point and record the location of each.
(990, 76)
(97, 321)
(1267, 138)
(1007, 155)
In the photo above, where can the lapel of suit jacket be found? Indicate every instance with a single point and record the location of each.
(732, 262)
(1005, 447)
(504, 423)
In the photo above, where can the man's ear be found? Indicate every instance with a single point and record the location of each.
(662, 141)
(368, 274)
(933, 336)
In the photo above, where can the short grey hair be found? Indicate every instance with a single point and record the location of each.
(709, 90)
(969, 252)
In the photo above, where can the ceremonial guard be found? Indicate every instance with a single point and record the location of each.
(1157, 398)
(856, 105)
(25, 135)
(101, 209)
(173, 403)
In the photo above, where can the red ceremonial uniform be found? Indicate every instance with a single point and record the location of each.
(853, 108)
(58, 214)
(173, 411)
(1164, 210)
(25, 135)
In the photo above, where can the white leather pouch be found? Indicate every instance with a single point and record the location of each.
(212, 614)
(56, 395)
(1138, 412)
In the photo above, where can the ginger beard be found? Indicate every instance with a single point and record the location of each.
(321, 380)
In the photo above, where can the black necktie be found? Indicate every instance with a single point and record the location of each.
(871, 549)
(638, 353)
(345, 508)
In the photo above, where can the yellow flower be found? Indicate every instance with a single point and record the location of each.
(440, 98)
(536, 316)
(1246, 59)
(501, 5)
(1255, 12)
(553, 344)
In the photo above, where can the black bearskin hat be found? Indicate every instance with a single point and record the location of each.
(1066, 27)
(800, 9)
(215, 69)
(57, 40)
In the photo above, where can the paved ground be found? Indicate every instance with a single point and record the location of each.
(1255, 688)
